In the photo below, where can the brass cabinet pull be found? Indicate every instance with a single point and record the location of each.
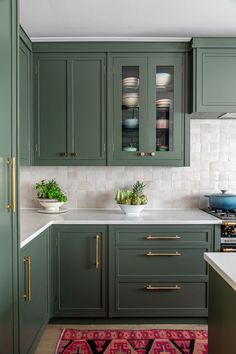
(12, 205)
(152, 154)
(64, 154)
(163, 254)
(97, 251)
(141, 153)
(74, 154)
(176, 237)
(8, 162)
(29, 278)
(150, 287)
(27, 296)
(24, 294)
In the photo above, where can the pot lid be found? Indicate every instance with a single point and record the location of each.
(222, 194)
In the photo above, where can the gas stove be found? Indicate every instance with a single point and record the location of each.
(222, 214)
(228, 228)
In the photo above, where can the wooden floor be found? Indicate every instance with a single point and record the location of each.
(47, 344)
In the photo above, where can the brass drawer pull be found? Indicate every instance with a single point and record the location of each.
(150, 287)
(176, 237)
(163, 254)
(25, 293)
(97, 251)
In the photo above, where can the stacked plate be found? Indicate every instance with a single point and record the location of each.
(130, 99)
(131, 82)
(163, 102)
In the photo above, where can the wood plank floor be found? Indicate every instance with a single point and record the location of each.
(52, 333)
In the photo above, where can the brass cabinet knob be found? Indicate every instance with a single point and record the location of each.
(152, 154)
(142, 154)
(64, 154)
(74, 154)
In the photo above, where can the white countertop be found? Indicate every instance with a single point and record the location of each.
(33, 223)
(224, 264)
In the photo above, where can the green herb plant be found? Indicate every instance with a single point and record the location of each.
(134, 197)
(50, 190)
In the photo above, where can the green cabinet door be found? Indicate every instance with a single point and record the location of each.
(51, 109)
(25, 97)
(146, 109)
(79, 271)
(214, 80)
(34, 291)
(69, 109)
(8, 239)
(88, 105)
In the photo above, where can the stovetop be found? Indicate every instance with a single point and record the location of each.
(222, 214)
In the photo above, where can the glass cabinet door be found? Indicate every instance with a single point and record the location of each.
(165, 102)
(129, 107)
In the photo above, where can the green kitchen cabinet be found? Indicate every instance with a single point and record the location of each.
(79, 271)
(34, 291)
(146, 109)
(158, 270)
(214, 75)
(69, 109)
(25, 102)
(8, 164)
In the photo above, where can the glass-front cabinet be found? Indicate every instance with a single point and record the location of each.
(147, 109)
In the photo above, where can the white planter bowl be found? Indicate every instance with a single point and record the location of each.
(50, 204)
(132, 209)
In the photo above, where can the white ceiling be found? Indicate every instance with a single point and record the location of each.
(128, 18)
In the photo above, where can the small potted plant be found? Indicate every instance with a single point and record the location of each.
(132, 202)
(50, 195)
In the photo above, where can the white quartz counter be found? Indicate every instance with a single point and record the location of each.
(224, 264)
(33, 223)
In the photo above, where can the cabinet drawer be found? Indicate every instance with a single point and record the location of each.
(160, 235)
(152, 296)
(160, 261)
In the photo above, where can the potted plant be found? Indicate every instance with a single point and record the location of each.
(132, 202)
(50, 195)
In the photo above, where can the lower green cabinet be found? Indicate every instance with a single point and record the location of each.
(79, 271)
(158, 271)
(34, 291)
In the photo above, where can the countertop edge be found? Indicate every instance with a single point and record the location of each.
(35, 234)
(219, 270)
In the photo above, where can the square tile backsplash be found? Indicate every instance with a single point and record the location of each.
(212, 168)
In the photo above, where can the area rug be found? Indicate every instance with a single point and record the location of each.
(75, 341)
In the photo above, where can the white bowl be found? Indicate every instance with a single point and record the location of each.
(50, 204)
(131, 82)
(162, 79)
(132, 209)
(130, 99)
(131, 123)
(130, 148)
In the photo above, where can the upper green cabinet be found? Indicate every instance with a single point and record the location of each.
(214, 75)
(25, 102)
(147, 109)
(69, 109)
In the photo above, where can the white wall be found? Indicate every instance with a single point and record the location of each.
(213, 167)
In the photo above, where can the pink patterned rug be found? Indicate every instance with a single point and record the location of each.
(152, 341)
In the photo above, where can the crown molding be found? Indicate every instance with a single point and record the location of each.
(110, 39)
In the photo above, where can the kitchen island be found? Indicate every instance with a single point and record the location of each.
(222, 303)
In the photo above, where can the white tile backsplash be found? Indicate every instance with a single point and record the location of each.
(213, 167)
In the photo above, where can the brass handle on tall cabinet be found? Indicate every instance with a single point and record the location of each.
(163, 254)
(12, 205)
(150, 287)
(150, 237)
(97, 251)
(27, 296)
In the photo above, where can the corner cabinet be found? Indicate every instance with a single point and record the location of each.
(146, 109)
(69, 109)
(214, 75)
(79, 271)
(34, 291)
(159, 271)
